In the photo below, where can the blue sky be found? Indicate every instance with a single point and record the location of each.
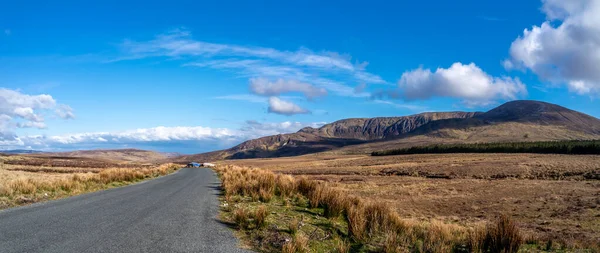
(196, 76)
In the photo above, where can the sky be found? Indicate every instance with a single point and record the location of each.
(197, 76)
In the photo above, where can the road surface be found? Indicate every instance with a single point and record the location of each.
(174, 213)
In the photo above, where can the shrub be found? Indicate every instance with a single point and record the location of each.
(300, 200)
(333, 202)
(240, 217)
(475, 239)
(315, 195)
(376, 214)
(298, 244)
(286, 185)
(265, 195)
(289, 247)
(340, 245)
(504, 236)
(357, 222)
(260, 216)
(391, 243)
(437, 237)
(294, 226)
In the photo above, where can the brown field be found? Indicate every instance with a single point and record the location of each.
(26, 179)
(550, 196)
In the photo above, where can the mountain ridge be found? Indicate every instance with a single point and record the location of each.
(512, 121)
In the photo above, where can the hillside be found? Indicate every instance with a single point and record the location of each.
(115, 155)
(521, 120)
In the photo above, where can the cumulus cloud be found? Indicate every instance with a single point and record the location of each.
(565, 49)
(185, 138)
(265, 87)
(466, 82)
(303, 65)
(65, 112)
(279, 106)
(26, 111)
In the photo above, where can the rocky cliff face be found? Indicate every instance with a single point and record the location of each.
(338, 134)
(368, 129)
(507, 122)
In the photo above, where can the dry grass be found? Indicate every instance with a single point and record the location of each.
(554, 197)
(294, 226)
(368, 222)
(341, 245)
(19, 186)
(260, 216)
(298, 244)
(449, 166)
(504, 236)
(241, 217)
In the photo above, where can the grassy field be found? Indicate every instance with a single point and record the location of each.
(29, 179)
(552, 197)
(280, 213)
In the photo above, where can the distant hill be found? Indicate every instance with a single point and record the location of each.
(521, 120)
(20, 151)
(116, 155)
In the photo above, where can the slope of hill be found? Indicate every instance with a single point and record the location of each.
(117, 155)
(521, 120)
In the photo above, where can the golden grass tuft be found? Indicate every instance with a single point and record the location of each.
(333, 202)
(23, 186)
(298, 244)
(241, 217)
(286, 185)
(294, 226)
(260, 216)
(504, 236)
(340, 245)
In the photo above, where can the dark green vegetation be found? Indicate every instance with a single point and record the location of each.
(540, 147)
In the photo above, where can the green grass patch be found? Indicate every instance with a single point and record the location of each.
(287, 218)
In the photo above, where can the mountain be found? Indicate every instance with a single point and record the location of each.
(521, 120)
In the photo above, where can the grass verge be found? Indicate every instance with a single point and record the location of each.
(280, 213)
(26, 191)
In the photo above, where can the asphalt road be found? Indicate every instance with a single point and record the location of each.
(174, 213)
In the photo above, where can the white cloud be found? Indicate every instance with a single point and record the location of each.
(147, 135)
(258, 129)
(565, 49)
(192, 138)
(24, 111)
(400, 106)
(266, 87)
(65, 112)
(244, 97)
(279, 106)
(29, 124)
(467, 82)
(302, 65)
